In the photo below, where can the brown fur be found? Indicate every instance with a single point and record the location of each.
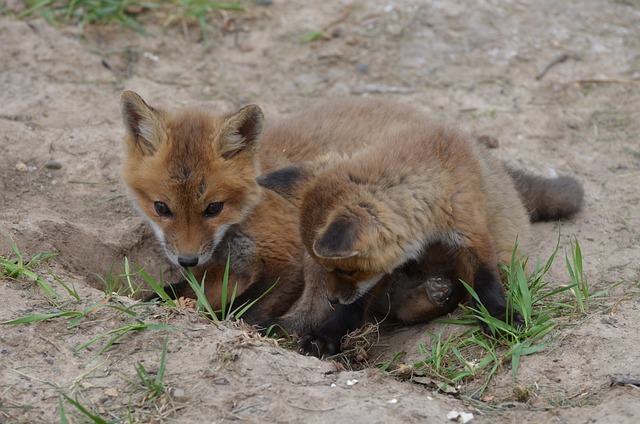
(192, 159)
(412, 184)
(373, 211)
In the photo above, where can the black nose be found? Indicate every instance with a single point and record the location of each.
(188, 260)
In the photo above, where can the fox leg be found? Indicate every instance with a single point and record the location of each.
(327, 340)
(435, 297)
(416, 292)
(478, 267)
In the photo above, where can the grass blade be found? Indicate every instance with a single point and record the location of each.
(41, 317)
(96, 419)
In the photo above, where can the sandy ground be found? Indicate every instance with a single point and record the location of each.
(480, 66)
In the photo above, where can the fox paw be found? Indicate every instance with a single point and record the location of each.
(318, 345)
(439, 290)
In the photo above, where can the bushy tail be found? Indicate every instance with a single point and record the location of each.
(548, 199)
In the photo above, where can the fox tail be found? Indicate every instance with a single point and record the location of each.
(548, 199)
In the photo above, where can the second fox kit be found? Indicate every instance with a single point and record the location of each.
(417, 184)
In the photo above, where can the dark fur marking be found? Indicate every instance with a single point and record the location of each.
(283, 181)
(132, 117)
(251, 126)
(338, 239)
(181, 174)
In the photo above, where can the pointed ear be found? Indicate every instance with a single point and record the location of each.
(240, 132)
(344, 236)
(288, 182)
(142, 122)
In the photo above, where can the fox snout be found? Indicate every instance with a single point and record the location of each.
(186, 255)
(188, 261)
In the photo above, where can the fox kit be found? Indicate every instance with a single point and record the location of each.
(192, 175)
(416, 184)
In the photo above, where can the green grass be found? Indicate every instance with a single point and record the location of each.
(310, 36)
(228, 310)
(83, 12)
(128, 12)
(16, 268)
(116, 285)
(78, 313)
(472, 358)
(85, 412)
(154, 387)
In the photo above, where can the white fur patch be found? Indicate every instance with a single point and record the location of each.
(233, 142)
(222, 230)
(147, 131)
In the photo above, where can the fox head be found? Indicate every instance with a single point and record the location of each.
(341, 225)
(190, 174)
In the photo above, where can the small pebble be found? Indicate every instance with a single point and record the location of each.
(178, 394)
(21, 167)
(111, 392)
(53, 164)
(362, 68)
(461, 417)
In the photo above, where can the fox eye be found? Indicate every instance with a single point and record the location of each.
(344, 272)
(213, 209)
(162, 209)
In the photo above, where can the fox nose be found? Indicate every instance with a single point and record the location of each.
(188, 260)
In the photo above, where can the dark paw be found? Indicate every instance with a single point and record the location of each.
(318, 345)
(517, 324)
(439, 290)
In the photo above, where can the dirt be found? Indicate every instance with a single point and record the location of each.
(557, 83)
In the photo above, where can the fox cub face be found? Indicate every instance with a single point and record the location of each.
(339, 226)
(190, 174)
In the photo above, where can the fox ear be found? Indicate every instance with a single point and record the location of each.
(142, 121)
(287, 182)
(338, 239)
(349, 232)
(240, 132)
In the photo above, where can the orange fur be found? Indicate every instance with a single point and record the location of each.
(193, 159)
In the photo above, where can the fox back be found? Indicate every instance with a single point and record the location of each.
(369, 213)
